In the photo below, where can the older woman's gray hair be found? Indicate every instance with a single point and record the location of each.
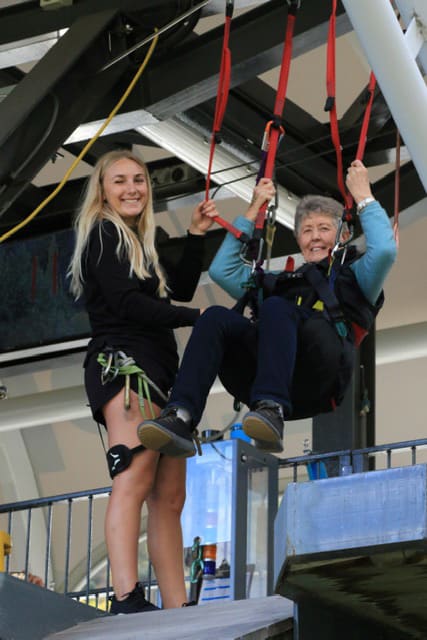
(317, 204)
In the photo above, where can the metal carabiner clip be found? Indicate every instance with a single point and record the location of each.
(257, 261)
(105, 371)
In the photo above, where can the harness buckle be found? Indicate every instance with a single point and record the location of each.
(293, 5)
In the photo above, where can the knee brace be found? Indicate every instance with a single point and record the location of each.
(119, 458)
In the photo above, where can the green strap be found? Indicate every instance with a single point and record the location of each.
(118, 363)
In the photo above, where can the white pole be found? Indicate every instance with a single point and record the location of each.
(398, 74)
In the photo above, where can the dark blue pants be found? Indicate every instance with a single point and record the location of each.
(260, 361)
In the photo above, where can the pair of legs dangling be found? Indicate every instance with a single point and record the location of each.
(160, 482)
(255, 362)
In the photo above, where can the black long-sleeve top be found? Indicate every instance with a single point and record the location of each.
(127, 312)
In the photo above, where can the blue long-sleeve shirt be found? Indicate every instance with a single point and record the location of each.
(371, 269)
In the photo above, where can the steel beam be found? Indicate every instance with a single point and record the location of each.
(29, 20)
(397, 73)
(36, 117)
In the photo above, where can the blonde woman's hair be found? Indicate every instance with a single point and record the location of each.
(138, 248)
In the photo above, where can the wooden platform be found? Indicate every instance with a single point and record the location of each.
(254, 619)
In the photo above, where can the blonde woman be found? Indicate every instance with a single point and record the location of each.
(127, 292)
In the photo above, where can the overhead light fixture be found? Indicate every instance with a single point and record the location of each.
(232, 168)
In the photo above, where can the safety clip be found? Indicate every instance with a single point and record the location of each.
(294, 5)
(266, 136)
(258, 260)
(107, 373)
(229, 8)
(272, 209)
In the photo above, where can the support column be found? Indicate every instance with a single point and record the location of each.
(397, 72)
(350, 426)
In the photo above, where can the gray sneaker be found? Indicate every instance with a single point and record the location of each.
(168, 434)
(264, 424)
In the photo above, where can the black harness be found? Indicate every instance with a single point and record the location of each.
(332, 283)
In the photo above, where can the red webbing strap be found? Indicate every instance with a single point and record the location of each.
(331, 106)
(220, 107)
(221, 97)
(365, 124)
(274, 128)
(397, 190)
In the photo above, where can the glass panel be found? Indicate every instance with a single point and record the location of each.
(257, 533)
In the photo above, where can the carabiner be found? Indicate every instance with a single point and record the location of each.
(229, 8)
(105, 371)
(258, 260)
(294, 4)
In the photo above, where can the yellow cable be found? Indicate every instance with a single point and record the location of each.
(84, 151)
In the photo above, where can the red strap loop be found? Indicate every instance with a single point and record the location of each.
(221, 98)
(220, 108)
(274, 132)
(365, 124)
(397, 190)
(332, 108)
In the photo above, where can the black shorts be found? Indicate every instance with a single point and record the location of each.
(99, 394)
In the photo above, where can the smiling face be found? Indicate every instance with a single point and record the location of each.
(316, 236)
(125, 189)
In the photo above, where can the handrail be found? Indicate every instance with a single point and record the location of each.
(342, 462)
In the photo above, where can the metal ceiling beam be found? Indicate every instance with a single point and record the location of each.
(256, 44)
(28, 50)
(396, 70)
(252, 33)
(409, 11)
(411, 189)
(37, 116)
(29, 20)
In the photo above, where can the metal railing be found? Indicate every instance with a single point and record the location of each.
(66, 515)
(57, 511)
(68, 522)
(348, 461)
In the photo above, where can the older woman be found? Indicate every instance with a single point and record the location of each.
(132, 354)
(296, 358)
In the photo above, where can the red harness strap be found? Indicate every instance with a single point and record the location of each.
(222, 92)
(332, 108)
(274, 129)
(397, 190)
(220, 107)
(365, 124)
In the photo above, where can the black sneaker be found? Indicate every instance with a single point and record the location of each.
(264, 423)
(168, 434)
(135, 602)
